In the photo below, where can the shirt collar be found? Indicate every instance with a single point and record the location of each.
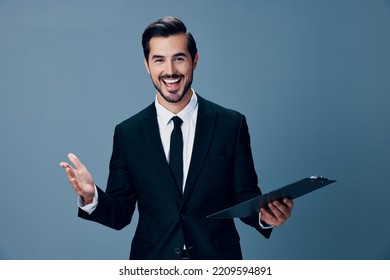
(164, 116)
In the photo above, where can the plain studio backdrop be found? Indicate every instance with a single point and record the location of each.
(312, 77)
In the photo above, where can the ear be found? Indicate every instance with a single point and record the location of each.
(195, 61)
(146, 66)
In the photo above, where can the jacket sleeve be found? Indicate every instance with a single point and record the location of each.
(116, 205)
(245, 181)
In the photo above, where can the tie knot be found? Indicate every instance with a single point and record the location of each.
(177, 121)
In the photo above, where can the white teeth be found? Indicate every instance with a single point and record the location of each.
(171, 81)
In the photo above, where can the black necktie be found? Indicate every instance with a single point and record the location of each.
(176, 152)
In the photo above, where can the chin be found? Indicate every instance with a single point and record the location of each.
(172, 97)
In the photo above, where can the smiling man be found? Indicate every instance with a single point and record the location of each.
(171, 66)
(178, 160)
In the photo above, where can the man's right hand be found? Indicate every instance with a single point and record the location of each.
(80, 178)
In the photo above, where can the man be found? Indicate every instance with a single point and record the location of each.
(211, 147)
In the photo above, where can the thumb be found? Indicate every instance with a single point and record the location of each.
(75, 161)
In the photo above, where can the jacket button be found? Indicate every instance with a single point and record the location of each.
(177, 251)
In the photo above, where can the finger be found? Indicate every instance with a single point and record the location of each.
(274, 208)
(264, 211)
(280, 210)
(69, 172)
(289, 203)
(282, 206)
(266, 214)
(72, 176)
(64, 165)
(75, 185)
(75, 161)
(68, 169)
(279, 213)
(268, 217)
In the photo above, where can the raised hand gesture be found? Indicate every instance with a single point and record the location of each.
(80, 178)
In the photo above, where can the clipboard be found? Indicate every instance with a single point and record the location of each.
(291, 191)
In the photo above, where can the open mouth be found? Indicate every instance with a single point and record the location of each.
(172, 83)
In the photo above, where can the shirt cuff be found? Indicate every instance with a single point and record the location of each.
(89, 208)
(264, 225)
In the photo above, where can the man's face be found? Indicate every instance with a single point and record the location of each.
(171, 67)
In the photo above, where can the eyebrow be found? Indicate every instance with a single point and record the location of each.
(156, 56)
(179, 54)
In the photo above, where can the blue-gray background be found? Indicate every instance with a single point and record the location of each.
(311, 76)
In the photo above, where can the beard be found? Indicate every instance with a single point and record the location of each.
(174, 96)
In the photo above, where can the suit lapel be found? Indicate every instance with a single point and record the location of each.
(203, 134)
(149, 127)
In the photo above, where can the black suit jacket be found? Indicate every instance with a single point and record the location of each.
(221, 173)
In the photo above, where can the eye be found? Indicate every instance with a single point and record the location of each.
(179, 59)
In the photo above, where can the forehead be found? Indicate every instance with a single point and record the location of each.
(167, 46)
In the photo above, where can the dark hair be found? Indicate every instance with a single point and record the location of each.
(166, 27)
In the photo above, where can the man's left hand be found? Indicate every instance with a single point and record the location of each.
(277, 212)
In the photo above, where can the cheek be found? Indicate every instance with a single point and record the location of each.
(186, 71)
(154, 70)
(154, 74)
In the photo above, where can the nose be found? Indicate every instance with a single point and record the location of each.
(170, 68)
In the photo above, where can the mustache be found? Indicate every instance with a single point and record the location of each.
(174, 76)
